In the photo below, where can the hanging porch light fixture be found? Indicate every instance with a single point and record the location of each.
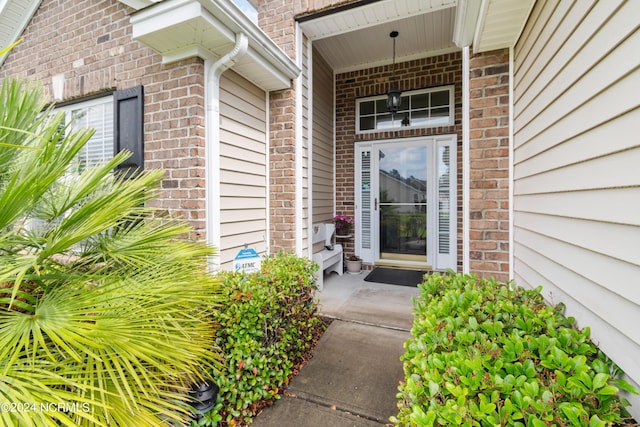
(393, 97)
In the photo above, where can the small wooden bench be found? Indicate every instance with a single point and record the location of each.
(330, 258)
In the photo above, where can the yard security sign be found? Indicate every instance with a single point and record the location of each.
(247, 260)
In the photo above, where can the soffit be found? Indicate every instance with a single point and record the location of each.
(358, 37)
(14, 17)
(139, 4)
(500, 23)
(179, 29)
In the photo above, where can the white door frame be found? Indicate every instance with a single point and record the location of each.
(367, 244)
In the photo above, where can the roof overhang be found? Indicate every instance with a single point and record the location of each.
(139, 4)
(490, 24)
(14, 17)
(180, 29)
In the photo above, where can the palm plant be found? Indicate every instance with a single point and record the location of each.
(104, 307)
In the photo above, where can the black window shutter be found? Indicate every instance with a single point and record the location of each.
(128, 118)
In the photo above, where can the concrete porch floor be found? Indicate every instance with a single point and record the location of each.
(350, 298)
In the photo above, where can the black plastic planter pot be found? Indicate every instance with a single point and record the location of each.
(203, 396)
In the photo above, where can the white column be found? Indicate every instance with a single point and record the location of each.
(466, 175)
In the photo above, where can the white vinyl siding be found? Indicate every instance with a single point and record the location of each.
(576, 155)
(323, 155)
(243, 167)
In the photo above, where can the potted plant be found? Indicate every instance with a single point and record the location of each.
(354, 264)
(343, 225)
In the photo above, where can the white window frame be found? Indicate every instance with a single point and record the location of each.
(396, 120)
(108, 134)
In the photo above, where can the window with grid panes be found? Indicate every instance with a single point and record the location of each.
(421, 108)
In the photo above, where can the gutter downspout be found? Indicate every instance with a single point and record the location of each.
(511, 167)
(466, 169)
(309, 223)
(299, 143)
(213, 71)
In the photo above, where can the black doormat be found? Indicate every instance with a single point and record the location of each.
(396, 276)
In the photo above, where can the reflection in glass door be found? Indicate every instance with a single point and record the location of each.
(406, 202)
(402, 202)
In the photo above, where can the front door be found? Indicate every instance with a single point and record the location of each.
(406, 202)
(401, 170)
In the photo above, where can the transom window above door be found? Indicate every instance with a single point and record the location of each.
(421, 108)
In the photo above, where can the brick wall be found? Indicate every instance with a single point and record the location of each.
(276, 18)
(489, 165)
(89, 42)
(417, 74)
(282, 186)
(273, 13)
(489, 208)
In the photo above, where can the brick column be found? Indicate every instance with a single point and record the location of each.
(489, 165)
(276, 18)
(282, 159)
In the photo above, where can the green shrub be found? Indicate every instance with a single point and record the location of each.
(482, 354)
(104, 306)
(267, 325)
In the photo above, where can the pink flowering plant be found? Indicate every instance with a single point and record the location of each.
(343, 224)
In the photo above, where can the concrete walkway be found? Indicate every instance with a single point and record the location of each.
(352, 378)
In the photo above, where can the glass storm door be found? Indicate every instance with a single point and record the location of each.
(406, 202)
(402, 202)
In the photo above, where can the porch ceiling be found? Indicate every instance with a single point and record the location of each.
(351, 37)
(355, 37)
(359, 37)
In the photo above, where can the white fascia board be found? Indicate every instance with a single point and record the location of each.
(482, 16)
(190, 52)
(487, 37)
(282, 79)
(464, 29)
(172, 13)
